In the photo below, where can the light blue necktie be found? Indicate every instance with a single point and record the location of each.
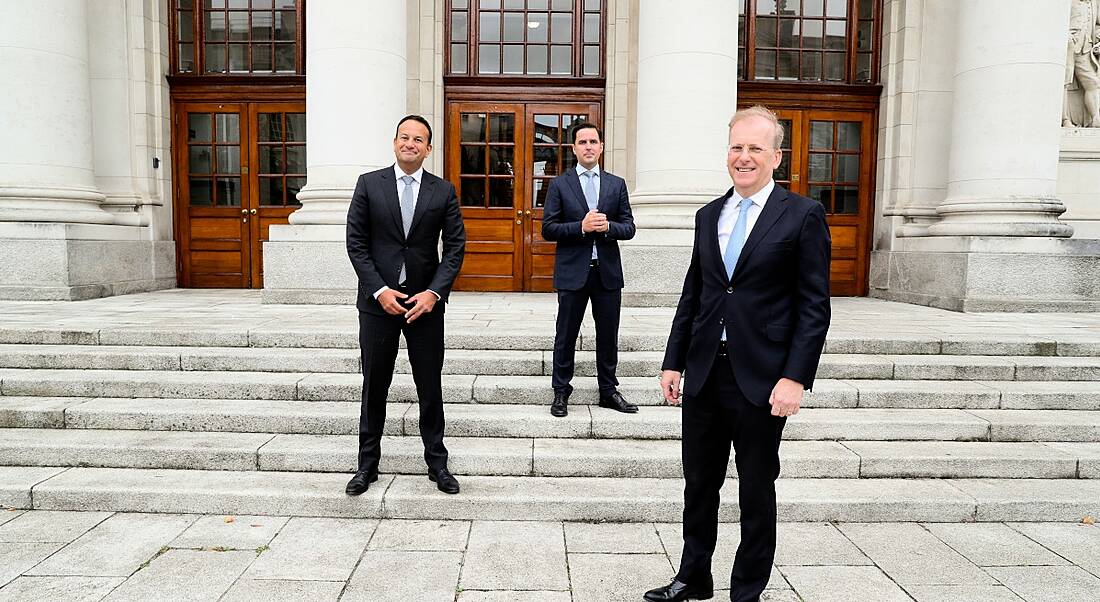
(737, 238)
(408, 205)
(591, 197)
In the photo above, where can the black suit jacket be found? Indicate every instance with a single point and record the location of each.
(776, 306)
(561, 222)
(377, 244)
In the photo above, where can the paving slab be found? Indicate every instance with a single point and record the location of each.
(149, 383)
(116, 547)
(314, 549)
(16, 558)
(230, 532)
(457, 388)
(725, 550)
(207, 492)
(961, 459)
(59, 589)
(925, 394)
(1032, 499)
(1079, 543)
(818, 500)
(952, 367)
(876, 424)
(1041, 425)
(962, 593)
(1058, 368)
(843, 584)
(511, 596)
(615, 577)
(910, 555)
(187, 574)
(10, 514)
(1087, 454)
(250, 590)
(515, 555)
(421, 536)
(1049, 583)
(1048, 395)
(612, 538)
(392, 575)
(16, 483)
(993, 544)
(130, 449)
(35, 412)
(815, 544)
(45, 526)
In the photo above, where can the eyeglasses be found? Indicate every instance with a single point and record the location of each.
(754, 150)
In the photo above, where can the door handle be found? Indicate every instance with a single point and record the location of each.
(252, 211)
(519, 211)
(519, 222)
(244, 211)
(528, 212)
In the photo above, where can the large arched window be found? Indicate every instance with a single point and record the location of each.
(238, 37)
(830, 41)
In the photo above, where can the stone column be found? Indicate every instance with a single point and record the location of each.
(1003, 168)
(46, 165)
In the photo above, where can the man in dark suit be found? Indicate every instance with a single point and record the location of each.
(748, 332)
(586, 213)
(397, 216)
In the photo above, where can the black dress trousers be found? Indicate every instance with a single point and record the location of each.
(605, 313)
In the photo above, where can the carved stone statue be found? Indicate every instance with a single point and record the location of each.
(1082, 103)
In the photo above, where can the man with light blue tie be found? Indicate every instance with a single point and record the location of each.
(586, 212)
(748, 335)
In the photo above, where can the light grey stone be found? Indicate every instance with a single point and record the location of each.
(1087, 454)
(815, 544)
(1042, 395)
(44, 526)
(893, 344)
(512, 596)
(1001, 344)
(871, 500)
(130, 449)
(911, 555)
(959, 459)
(843, 584)
(256, 359)
(187, 574)
(1058, 368)
(208, 492)
(536, 390)
(250, 590)
(484, 361)
(1041, 425)
(476, 420)
(392, 575)
(831, 394)
(1049, 583)
(230, 532)
(457, 388)
(849, 365)
(614, 577)
(16, 483)
(116, 547)
(35, 412)
(1077, 542)
(314, 549)
(612, 538)
(631, 363)
(59, 589)
(1032, 499)
(420, 536)
(17, 558)
(662, 422)
(725, 550)
(9, 514)
(515, 555)
(873, 424)
(183, 335)
(89, 357)
(962, 593)
(952, 367)
(31, 335)
(992, 544)
(149, 383)
(925, 394)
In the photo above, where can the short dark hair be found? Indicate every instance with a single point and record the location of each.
(584, 125)
(418, 119)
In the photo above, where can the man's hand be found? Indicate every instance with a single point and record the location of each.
(421, 303)
(391, 301)
(594, 221)
(786, 397)
(670, 386)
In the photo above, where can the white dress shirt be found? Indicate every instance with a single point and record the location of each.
(417, 176)
(728, 218)
(584, 182)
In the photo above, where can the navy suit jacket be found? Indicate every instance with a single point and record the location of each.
(377, 244)
(561, 222)
(775, 307)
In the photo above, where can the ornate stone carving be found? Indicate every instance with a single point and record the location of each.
(1082, 102)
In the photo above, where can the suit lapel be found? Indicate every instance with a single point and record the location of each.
(392, 200)
(575, 184)
(601, 197)
(773, 209)
(427, 195)
(711, 223)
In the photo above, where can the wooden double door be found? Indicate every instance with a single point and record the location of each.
(501, 158)
(239, 167)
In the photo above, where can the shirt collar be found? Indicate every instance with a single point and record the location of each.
(581, 170)
(398, 173)
(758, 199)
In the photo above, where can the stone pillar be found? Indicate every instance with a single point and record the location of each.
(687, 91)
(356, 87)
(1003, 169)
(46, 165)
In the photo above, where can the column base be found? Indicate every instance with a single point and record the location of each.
(71, 262)
(990, 274)
(308, 264)
(654, 264)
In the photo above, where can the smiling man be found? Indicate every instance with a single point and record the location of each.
(748, 332)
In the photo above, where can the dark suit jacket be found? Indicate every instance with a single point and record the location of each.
(377, 244)
(776, 306)
(561, 222)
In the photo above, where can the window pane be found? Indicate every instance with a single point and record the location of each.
(765, 64)
(787, 69)
(863, 35)
(286, 3)
(459, 4)
(215, 26)
(502, 192)
(835, 35)
(186, 58)
(546, 128)
(228, 159)
(293, 187)
(788, 33)
(188, 4)
(490, 4)
(813, 32)
(238, 58)
(561, 5)
(837, 8)
(488, 59)
(271, 191)
(262, 26)
(847, 200)
(513, 59)
(823, 195)
(568, 122)
(514, 24)
(821, 167)
(513, 4)
(811, 66)
(198, 161)
(473, 127)
(591, 4)
(215, 58)
(296, 158)
(238, 4)
(261, 57)
(591, 60)
(296, 127)
(766, 7)
(546, 160)
(285, 26)
(201, 191)
(502, 127)
(541, 186)
(228, 191)
(867, 9)
(228, 127)
(271, 159)
(741, 64)
(458, 58)
(238, 25)
(848, 135)
(185, 26)
(847, 168)
(783, 172)
(536, 60)
(473, 159)
(592, 28)
(863, 67)
(538, 5)
(262, 4)
(813, 8)
(561, 28)
(537, 27)
(198, 127)
(834, 66)
(765, 32)
(473, 192)
(821, 134)
(500, 160)
(284, 57)
(568, 160)
(489, 29)
(786, 125)
(561, 58)
(214, 3)
(458, 27)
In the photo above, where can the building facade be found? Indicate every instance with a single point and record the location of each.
(215, 143)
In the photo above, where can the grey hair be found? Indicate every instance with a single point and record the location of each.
(764, 112)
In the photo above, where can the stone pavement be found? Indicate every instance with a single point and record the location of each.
(89, 556)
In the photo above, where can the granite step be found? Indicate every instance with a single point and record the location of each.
(532, 421)
(548, 498)
(492, 456)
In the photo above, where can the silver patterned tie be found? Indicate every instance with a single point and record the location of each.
(408, 206)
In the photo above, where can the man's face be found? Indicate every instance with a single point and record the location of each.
(411, 147)
(752, 158)
(587, 147)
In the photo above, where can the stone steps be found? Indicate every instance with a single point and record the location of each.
(530, 421)
(172, 384)
(540, 457)
(545, 498)
(527, 362)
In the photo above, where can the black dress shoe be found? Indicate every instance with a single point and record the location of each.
(678, 592)
(617, 402)
(560, 407)
(444, 480)
(361, 482)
